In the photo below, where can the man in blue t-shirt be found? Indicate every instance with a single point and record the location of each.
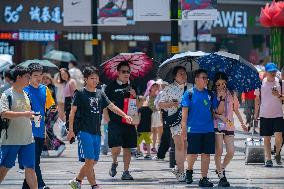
(197, 125)
(41, 100)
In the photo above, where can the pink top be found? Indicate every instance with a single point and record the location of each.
(67, 90)
(270, 106)
(231, 102)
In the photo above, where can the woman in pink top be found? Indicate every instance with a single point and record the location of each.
(68, 91)
(224, 126)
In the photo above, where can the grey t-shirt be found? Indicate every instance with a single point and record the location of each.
(20, 128)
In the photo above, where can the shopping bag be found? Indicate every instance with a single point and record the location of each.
(130, 108)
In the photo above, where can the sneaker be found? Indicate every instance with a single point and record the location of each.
(157, 159)
(188, 178)
(204, 182)
(269, 163)
(148, 157)
(181, 177)
(153, 150)
(126, 176)
(175, 171)
(139, 154)
(278, 159)
(224, 173)
(223, 182)
(112, 171)
(60, 150)
(75, 184)
(44, 154)
(96, 187)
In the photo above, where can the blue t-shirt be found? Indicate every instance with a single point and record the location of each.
(199, 118)
(40, 99)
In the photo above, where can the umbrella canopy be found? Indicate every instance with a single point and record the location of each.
(186, 59)
(44, 63)
(62, 56)
(140, 64)
(5, 62)
(243, 76)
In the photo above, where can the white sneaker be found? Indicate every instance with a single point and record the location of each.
(60, 150)
(181, 177)
(75, 184)
(44, 154)
(175, 171)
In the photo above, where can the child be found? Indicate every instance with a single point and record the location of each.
(144, 127)
(89, 104)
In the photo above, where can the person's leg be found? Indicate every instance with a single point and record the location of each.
(191, 158)
(205, 161)
(115, 151)
(160, 132)
(31, 178)
(230, 149)
(179, 152)
(126, 158)
(218, 151)
(89, 171)
(3, 173)
(267, 147)
(164, 144)
(154, 134)
(38, 149)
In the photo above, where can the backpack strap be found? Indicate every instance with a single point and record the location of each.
(280, 83)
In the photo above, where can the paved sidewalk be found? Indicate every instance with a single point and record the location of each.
(151, 174)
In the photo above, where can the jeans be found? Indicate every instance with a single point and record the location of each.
(38, 149)
(104, 147)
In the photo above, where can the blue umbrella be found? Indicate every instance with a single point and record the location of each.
(243, 76)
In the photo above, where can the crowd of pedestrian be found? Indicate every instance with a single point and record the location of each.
(194, 118)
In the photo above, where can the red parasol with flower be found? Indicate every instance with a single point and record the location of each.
(140, 64)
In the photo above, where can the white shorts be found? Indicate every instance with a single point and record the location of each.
(156, 119)
(176, 130)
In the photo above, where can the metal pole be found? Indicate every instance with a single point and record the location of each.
(196, 35)
(174, 50)
(95, 42)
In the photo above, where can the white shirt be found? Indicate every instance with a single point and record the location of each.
(174, 91)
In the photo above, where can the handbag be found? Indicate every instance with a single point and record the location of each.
(130, 109)
(172, 120)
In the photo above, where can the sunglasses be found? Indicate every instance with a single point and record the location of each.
(221, 84)
(125, 71)
(204, 78)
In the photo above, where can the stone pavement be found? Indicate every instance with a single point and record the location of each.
(150, 174)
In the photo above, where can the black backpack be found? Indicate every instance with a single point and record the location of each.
(4, 122)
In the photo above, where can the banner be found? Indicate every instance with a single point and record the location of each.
(151, 10)
(199, 9)
(112, 12)
(187, 31)
(77, 13)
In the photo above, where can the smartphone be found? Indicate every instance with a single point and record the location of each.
(72, 140)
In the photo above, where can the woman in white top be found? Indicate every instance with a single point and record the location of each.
(170, 102)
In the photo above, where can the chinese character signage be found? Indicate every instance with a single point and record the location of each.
(112, 12)
(6, 48)
(31, 14)
(199, 9)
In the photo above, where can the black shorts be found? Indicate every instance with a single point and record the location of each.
(224, 132)
(201, 143)
(268, 126)
(123, 135)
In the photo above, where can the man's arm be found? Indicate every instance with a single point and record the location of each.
(119, 112)
(71, 122)
(184, 122)
(12, 114)
(256, 107)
